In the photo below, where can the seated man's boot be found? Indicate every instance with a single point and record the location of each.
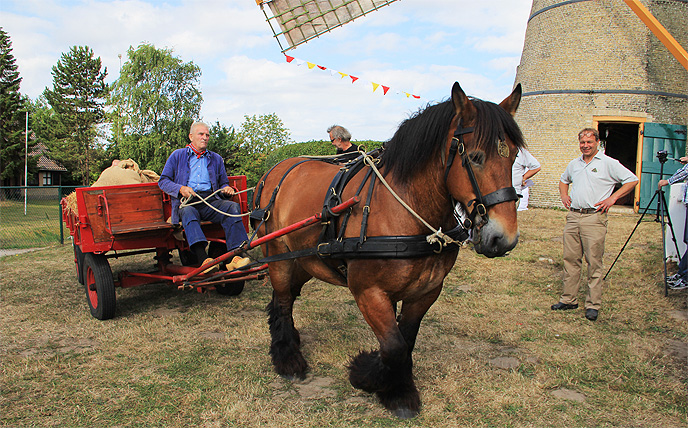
(238, 262)
(211, 269)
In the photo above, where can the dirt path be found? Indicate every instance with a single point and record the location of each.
(11, 252)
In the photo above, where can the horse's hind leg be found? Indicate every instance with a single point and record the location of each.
(389, 372)
(284, 348)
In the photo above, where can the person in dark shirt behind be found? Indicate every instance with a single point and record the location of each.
(341, 139)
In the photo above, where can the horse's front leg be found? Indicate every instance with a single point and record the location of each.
(412, 314)
(284, 347)
(389, 371)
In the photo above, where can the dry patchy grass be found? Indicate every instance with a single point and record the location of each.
(490, 351)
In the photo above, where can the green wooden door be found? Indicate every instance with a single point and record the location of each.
(656, 137)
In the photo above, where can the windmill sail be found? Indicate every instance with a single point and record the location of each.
(301, 20)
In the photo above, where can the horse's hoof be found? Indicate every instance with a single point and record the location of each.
(366, 372)
(293, 377)
(405, 413)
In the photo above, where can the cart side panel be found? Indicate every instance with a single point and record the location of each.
(239, 183)
(123, 217)
(135, 208)
(96, 215)
(135, 216)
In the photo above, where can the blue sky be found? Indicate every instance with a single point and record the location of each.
(416, 46)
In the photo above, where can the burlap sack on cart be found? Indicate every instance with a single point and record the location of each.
(121, 172)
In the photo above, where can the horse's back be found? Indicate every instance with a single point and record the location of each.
(301, 184)
(292, 191)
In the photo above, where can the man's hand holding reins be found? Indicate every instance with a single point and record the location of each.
(186, 191)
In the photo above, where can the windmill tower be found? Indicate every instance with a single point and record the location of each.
(594, 63)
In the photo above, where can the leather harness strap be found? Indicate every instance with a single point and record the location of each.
(480, 203)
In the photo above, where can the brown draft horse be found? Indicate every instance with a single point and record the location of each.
(415, 162)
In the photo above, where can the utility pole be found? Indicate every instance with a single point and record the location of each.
(26, 157)
(119, 117)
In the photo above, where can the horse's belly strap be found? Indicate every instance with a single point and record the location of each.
(379, 247)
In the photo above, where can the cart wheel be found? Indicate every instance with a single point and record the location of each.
(187, 258)
(231, 289)
(99, 285)
(79, 262)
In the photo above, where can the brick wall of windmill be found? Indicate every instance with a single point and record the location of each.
(594, 45)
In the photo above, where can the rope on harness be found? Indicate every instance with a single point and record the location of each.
(185, 202)
(437, 236)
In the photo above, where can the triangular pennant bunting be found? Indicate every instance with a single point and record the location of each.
(311, 66)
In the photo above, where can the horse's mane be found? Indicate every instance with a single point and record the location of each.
(420, 137)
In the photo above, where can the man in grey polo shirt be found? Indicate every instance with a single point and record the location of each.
(591, 178)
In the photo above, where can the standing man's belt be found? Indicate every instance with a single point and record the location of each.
(584, 210)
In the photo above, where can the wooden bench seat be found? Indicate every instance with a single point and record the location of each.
(140, 227)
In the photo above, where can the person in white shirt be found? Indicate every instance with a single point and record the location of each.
(679, 280)
(525, 167)
(591, 179)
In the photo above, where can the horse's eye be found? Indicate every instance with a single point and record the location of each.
(477, 158)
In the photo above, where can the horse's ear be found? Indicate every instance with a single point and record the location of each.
(510, 103)
(462, 105)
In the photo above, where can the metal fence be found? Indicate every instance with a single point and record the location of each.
(31, 216)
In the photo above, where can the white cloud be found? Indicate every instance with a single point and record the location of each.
(412, 45)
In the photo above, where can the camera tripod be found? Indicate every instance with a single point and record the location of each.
(662, 217)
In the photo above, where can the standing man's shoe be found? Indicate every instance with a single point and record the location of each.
(564, 306)
(673, 278)
(679, 284)
(591, 314)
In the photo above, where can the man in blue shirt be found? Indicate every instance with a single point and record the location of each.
(196, 171)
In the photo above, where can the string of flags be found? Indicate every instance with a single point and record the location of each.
(375, 86)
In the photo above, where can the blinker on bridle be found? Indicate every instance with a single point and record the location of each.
(480, 203)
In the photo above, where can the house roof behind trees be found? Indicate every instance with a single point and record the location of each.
(44, 162)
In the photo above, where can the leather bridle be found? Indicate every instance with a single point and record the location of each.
(480, 203)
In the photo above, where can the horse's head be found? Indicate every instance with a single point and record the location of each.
(484, 138)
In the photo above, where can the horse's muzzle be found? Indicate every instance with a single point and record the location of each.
(493, 241)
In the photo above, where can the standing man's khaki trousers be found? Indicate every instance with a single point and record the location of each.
(584, 234)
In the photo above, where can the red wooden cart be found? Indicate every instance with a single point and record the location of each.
(119, 221)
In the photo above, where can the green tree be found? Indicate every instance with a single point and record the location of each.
(308, 148)
(77, 98)
(46, 127)
(258, 137)
(311, 148)
(12, 114)
(224, 141)
(44, 122)
(154, 102)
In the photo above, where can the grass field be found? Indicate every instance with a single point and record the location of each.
(39, 227)
(490, 352)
